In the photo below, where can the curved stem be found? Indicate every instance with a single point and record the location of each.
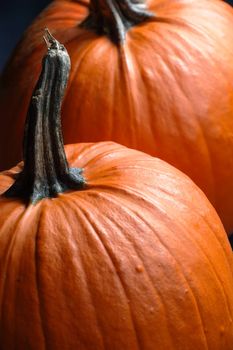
(46, 172)
(115, 17)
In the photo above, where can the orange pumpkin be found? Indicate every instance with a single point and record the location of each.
(136, 259)
(164, 86)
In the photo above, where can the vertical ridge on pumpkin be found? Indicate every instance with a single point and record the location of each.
(99, 232)
(127, 209)
(142, 221)
(23, 310)
(210, 97)
(136, 260)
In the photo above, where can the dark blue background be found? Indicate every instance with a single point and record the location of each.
(15, 16)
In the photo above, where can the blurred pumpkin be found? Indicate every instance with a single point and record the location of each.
(157, 78)
(137, 258)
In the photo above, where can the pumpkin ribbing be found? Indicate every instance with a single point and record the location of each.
(136, 260)
(166, 91)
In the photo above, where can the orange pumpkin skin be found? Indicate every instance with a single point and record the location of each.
(137, 260)
(167, 91)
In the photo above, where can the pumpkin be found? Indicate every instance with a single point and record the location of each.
(154, 76)
(106, 247)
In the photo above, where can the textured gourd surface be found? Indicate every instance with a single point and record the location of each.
(167, 90)
(137, 260)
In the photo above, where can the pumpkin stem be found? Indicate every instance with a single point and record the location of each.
(115, 17)
(46, 172)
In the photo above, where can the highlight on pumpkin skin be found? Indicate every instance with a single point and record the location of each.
(167, 91)
(46, 172)
(138, 260)
(140, 250)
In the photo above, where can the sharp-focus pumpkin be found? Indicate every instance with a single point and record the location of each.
(137, 258)
(157, 79)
